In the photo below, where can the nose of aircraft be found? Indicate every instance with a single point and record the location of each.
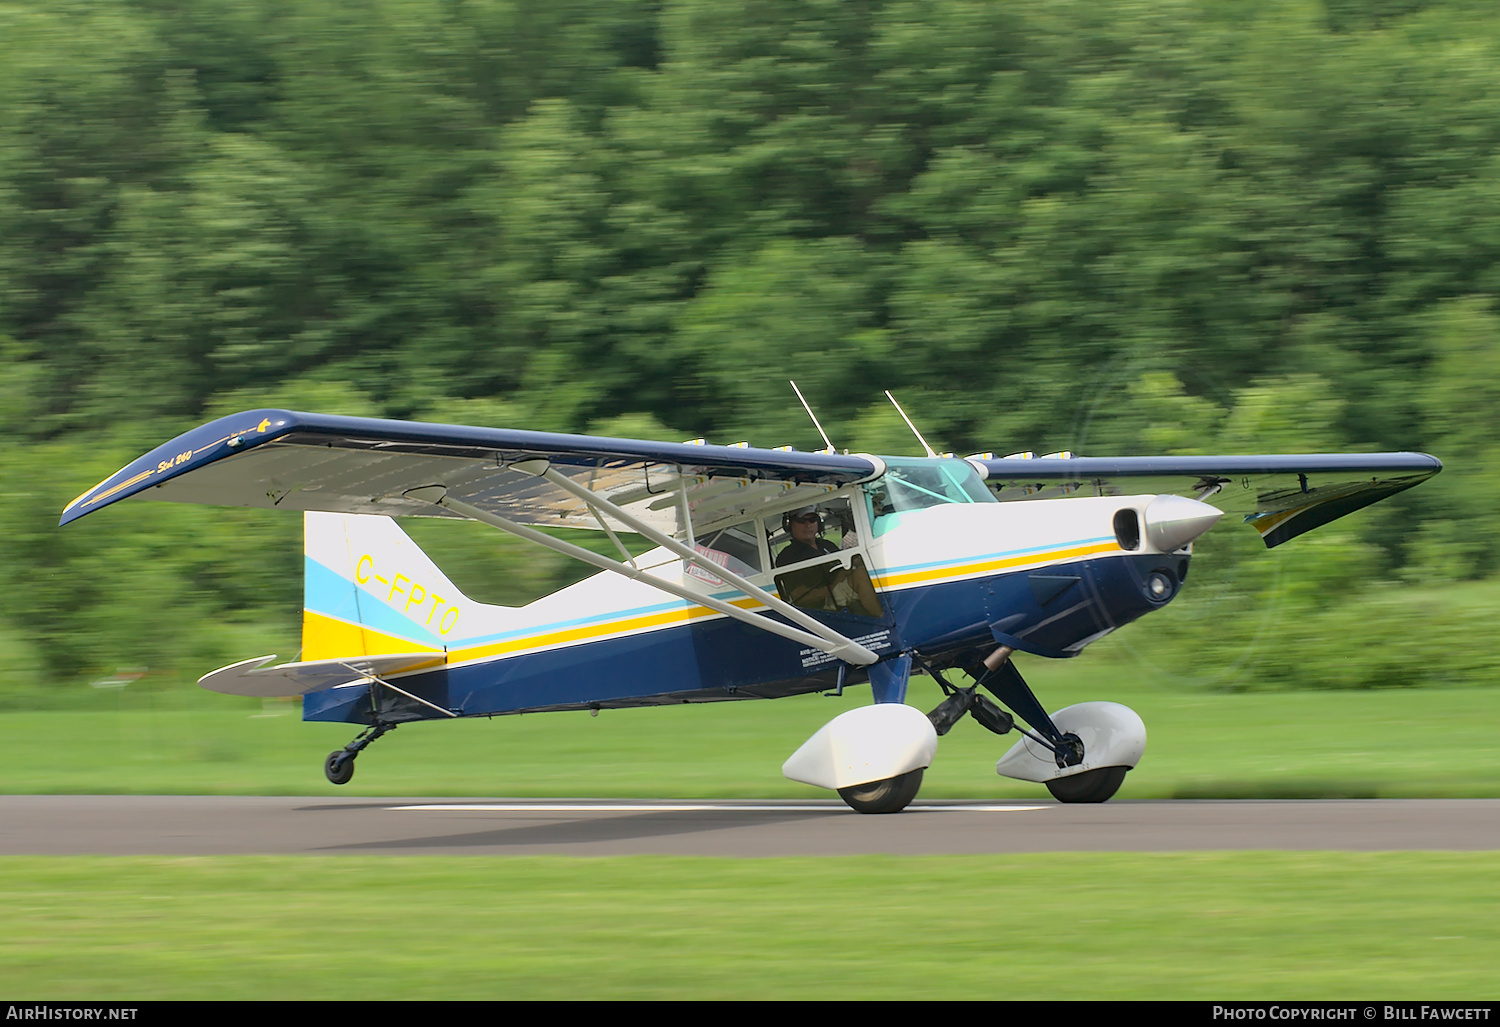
(1174, 521)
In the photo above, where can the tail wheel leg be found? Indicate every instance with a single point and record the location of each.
(339, 766)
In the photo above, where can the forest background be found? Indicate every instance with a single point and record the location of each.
(1106, 226)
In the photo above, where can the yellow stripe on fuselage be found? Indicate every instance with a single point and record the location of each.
(955, 571)
(327, 638)
(667, 618)
(590, 632)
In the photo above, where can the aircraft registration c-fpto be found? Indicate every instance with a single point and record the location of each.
(776, 573)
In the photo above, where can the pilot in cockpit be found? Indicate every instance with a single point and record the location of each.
(820, 588)
(805, 526)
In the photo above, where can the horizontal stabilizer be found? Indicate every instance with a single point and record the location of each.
(253, 677)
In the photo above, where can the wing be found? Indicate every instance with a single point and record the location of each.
(1280, 496)
(297, 461)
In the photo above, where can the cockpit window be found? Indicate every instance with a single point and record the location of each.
(917, 484)
(826, 527)
(733, 548)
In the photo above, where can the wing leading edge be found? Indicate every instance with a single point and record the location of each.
(1280, 496)
(300, 461)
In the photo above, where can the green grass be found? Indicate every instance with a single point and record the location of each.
(1218, 926)
(1076, 926)
(1393, 742)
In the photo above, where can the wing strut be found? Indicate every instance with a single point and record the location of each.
(543, 469)
(817, 635)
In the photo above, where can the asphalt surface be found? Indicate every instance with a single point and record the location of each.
(206, 825)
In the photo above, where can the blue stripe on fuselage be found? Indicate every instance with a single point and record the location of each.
(722, 659)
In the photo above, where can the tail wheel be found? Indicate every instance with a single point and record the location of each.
(1090, 786)
(888, 796)
(339, 767)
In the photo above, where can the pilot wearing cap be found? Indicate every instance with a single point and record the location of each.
(805, 525)
(816, 587)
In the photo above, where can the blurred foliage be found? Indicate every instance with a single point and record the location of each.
(1100, 225)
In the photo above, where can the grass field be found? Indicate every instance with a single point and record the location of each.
(1071, 926)
(1220, 926)
(1388, 743)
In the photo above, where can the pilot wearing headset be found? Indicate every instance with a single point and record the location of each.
(805, 526)
(819, 588)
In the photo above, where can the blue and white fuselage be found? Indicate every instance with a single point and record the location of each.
(953, 576)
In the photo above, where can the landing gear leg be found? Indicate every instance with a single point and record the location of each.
(1115, 731)
(967, 700)
(1010, 688)
(960, 701)
(339, 766)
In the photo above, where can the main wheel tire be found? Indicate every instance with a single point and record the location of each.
(338, 771)
(1090, 786)
(888, 796)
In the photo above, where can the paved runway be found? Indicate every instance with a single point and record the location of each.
(201, 825)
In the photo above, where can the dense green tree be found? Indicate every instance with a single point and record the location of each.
(1094, 225)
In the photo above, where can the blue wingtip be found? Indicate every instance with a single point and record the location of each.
(187, 452)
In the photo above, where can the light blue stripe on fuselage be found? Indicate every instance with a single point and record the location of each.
(1003, 554)
(333, 595)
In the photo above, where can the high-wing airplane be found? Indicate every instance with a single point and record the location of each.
(776, 573)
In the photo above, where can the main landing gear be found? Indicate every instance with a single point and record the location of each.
(1114, 732)
(339, 766)
(874, 756)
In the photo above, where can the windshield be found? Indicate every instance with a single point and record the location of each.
(917, 484)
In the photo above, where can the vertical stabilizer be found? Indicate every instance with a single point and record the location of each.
(368, 589)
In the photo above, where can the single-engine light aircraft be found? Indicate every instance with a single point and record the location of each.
(776, 573)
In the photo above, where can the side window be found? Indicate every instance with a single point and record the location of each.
(812, 531)
(812, 539)
(830, 586)
(734, 548)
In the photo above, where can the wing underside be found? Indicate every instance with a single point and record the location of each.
(285, 460)
(1281, 497)
(295, 461)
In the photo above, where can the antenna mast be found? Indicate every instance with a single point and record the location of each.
(814, 417)
(908, 423)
